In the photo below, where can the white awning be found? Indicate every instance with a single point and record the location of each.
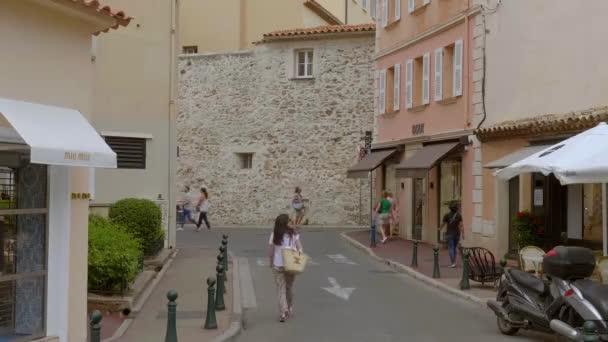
(56, 136)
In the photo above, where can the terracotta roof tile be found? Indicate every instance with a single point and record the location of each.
(545, 124)
(95, 6)
(319, 30)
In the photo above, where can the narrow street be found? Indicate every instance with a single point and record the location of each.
(381, 305)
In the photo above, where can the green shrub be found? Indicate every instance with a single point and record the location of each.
(114, 256)
(142, 218)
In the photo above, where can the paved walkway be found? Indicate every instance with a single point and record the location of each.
(399, 251)
(187, 275)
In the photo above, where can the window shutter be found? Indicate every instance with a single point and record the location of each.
(397, 9)
(130, 152)
(458, 49)
(397, 87)
(426, 78)
(411, 6)
(385, 13)
(382, 99)
(426, 2)
(409, 73)
(439, 74)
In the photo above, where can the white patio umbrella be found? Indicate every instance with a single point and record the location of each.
(580, 159)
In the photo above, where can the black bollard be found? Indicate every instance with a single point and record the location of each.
(464, 282)
(225, 245)
(372, 236)
(210, 320)
(219, 296)
(171, 335)
(590, 333)
(436, 273)
(95, 326)
(220, 262)
(415, 254)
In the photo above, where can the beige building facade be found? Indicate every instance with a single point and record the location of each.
(134, 107)
(49, 148)
(543, 82)
(231, 25)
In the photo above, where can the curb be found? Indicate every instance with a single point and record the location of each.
(122, 329)
(415, 274)
(236, 320)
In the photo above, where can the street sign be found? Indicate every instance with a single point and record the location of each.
(368, 141)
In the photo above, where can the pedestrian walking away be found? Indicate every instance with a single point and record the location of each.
(187, 203)
(203, 208)
(454, 232)
(297, 203)
(383, 211)
(283, 236)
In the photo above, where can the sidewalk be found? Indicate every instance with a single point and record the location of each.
(398, 253)
(186, 275)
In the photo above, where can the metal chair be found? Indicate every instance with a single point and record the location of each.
(528, 266)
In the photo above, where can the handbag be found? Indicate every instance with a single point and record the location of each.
(294, 261)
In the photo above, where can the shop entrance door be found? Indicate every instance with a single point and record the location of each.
(418, 206)
(550, 205)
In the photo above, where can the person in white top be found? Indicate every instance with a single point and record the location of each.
(283, 236)
(187, 205)
(203, 208)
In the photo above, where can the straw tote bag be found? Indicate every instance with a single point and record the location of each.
(294, 262)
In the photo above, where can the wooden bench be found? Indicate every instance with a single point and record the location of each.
(482, 265)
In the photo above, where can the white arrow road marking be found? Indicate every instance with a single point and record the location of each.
(335, 289)
(341, 259)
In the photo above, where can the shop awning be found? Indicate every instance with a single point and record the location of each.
(424, 159)
(515, 156)
(56, 135)
(369, 163)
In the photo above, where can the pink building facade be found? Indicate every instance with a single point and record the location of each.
(423, 149)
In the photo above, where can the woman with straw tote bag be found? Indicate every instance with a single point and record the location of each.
(284, 238)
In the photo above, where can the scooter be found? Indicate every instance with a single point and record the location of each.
(565, 297)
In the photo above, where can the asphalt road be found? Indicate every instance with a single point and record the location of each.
(384, 306)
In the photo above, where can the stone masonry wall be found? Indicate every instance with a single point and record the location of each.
(301, 132)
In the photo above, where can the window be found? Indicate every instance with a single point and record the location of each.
(190, 49)
(390, 85)
(448, 71)
(391, 12)
(23, 241)
(364, 4)
(130, 152)
(414, 5)
(245, 160)
(304, 64)
(372, 8)
(417, 81)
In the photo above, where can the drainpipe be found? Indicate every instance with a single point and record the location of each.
(345, 12)
(172, 160)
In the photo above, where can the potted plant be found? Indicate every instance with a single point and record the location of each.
(528, 229)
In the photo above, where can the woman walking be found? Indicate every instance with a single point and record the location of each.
(283, 236)
(203, 208)
(454, 233)
(297, 203)
(383, 211)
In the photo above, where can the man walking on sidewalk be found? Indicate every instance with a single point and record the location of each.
(455, 231)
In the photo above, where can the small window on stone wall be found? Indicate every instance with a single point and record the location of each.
(304, 63)
(245, 160)
(190, 49)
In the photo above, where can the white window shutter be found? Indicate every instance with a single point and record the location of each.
(397, 87)
(411, 6)
(397, 9)
(426, 78)
(385, 13)
(426, 2)
(458, 50)
(439, 74)
(409, 73)
(382, 93)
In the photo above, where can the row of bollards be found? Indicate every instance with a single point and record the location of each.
(215, 298)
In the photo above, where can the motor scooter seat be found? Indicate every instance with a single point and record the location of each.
(596, 294)
(528, 281)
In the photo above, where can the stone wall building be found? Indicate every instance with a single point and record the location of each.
(293, 111)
